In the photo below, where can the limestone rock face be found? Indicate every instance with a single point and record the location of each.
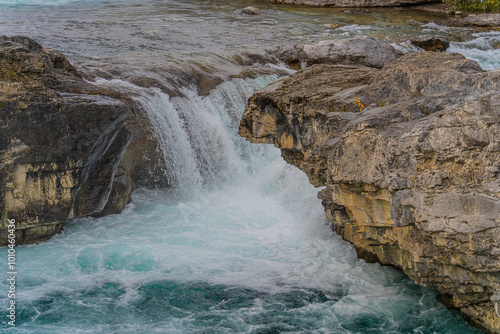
(352, 3)
(410, 157)
(352, 51)
(61, 143)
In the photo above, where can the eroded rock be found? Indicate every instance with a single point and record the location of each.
(410, 157)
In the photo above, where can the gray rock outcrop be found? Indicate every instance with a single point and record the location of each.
(353, 51)
(410, 157)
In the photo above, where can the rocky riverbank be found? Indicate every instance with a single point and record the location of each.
(410, 157)
(67, 148)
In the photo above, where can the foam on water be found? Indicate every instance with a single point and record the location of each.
(248, 251)
(482, 48)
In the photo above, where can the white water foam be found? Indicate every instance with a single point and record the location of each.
(481, 49)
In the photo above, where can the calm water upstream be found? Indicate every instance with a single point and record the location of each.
(240, 243)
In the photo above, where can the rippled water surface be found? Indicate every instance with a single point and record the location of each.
(239, 244)
(131, 36)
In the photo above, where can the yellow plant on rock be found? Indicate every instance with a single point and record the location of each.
(359, 104)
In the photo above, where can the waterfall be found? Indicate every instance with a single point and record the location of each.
(197, 135)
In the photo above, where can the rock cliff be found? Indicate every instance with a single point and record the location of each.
(64, 144)
(409, 156)
(352, 3)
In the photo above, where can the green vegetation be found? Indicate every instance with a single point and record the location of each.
(11, 74)
(476, 5)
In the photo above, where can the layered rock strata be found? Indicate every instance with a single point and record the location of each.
(64, 143)
(409, 156)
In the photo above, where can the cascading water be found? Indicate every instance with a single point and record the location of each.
(484, 49)
(240, 245)
(197, 135)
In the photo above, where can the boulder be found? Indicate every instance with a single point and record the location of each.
(363, 51)
(251, 11)
(409, 156)
(434, 43)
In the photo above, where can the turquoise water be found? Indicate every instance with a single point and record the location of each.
(239, 243)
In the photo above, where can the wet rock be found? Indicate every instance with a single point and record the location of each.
(433, 43)
(62, 141)
(410, 160)
(363, 51)
(251, 11)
